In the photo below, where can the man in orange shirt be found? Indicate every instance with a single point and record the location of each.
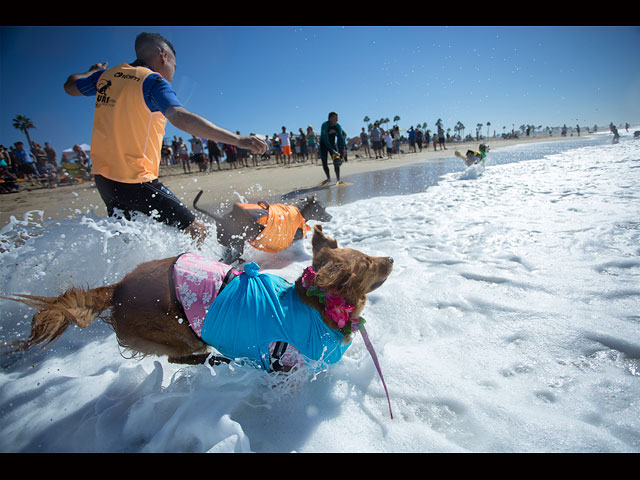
(285, 143)
(133, 102)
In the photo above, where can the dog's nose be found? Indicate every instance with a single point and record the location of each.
(390, 260)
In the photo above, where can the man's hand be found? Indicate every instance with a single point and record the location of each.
(98, 66)
(70, 84)
(255, 145)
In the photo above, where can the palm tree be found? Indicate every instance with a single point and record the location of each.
(488, 125)
(24, 124)
(396, 118)
(478, 127)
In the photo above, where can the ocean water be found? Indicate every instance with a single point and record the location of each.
(418, 176)
(511, 323)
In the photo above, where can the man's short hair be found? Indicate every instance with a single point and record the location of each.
(145, 41)
(332, 114)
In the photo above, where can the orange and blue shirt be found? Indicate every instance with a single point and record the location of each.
(129, 121)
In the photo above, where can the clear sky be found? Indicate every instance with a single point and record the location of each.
(258, 79)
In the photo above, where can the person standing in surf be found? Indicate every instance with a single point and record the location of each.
(133, 103)
(332, 143)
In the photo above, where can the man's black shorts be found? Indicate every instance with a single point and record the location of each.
(151, 198)
(28, 169)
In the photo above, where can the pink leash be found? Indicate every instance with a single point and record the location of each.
(372, 352)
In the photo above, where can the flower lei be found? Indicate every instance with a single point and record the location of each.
(335, 307)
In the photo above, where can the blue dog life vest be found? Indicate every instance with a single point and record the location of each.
(256, 309)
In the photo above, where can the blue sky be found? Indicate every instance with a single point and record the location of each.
(257, 79)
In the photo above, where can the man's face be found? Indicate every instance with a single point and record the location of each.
(333, 119)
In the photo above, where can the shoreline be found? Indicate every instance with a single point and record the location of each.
(266, 182)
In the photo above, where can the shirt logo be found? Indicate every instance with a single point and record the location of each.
(126, 76)
(102, 99)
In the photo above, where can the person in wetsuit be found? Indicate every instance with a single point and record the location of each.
(331, 133)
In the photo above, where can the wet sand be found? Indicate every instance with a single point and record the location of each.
(268, 182)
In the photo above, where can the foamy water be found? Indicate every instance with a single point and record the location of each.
(510, 324)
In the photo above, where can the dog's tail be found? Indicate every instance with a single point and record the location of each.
(76, 306)
(202, 210)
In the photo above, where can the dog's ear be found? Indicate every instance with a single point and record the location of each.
(337, 276)
(332, 273)
(320, 241)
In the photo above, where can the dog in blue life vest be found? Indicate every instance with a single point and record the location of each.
(183, 306)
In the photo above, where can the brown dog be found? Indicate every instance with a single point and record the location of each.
(144, 307)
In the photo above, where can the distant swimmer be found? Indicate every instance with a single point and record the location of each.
(616, 135)
(474, 156)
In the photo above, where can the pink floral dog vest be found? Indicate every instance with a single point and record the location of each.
(197, 282)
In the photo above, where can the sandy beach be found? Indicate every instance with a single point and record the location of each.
(265, 182)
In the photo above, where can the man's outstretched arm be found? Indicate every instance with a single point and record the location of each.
(201, 127)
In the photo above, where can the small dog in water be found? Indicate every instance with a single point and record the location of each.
(268, 227)
(474, 156)
(181, 306)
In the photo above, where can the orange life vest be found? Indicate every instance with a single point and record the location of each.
(280, 226)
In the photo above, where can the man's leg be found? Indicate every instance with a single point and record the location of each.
(324, 154)
(149, 198)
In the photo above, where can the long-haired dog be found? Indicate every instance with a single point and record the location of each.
(157, 309)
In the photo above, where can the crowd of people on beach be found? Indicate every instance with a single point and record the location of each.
(287, 147)
(39, 166)
(283, 148)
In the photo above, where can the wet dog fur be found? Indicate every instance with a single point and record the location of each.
(143, 310)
